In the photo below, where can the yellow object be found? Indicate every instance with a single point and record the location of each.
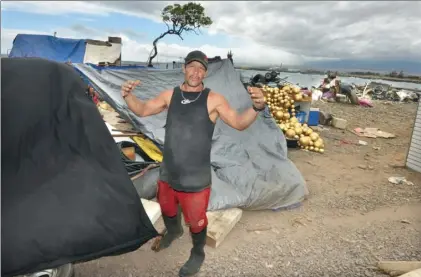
(149, 147)
(105, 106)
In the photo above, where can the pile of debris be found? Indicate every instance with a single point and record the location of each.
(381, 91)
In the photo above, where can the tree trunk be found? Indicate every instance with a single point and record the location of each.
(155, 49)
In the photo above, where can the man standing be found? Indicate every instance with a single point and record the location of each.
(185, 173)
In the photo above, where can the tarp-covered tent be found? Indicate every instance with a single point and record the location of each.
(251, 169)
(65, 50)
(65, 193)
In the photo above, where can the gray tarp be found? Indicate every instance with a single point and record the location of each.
(251, 167)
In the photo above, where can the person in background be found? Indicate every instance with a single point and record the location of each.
(330, 87)
(185, 172)
(93, 95)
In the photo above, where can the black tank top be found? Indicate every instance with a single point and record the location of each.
(186, 164)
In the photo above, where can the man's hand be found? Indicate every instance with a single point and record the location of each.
(257, 97)
(128, 87)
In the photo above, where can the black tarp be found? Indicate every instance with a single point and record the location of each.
(65, 194)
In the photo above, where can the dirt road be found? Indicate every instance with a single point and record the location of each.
(352, 218)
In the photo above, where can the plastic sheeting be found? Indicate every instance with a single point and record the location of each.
(49, 47)
(99, 53)
(251, 169)
(65, 194)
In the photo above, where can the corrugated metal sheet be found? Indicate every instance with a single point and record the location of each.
(413, 159)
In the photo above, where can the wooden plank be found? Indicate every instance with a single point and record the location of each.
(152, 209)
(395, 268)
(220, 224)
(413, 273)
(118, 136)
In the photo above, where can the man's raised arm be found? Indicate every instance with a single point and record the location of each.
(244, 120)
(144, 108)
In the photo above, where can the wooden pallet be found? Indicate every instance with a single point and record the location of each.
(220, 224)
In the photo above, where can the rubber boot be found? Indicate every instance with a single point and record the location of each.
(197, 255)
(174, 230)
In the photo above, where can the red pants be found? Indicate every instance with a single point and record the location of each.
(193, 204)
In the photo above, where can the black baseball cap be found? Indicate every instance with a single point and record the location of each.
(197, 56)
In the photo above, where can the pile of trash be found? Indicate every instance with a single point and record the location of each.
(381, 91)
(332, 89)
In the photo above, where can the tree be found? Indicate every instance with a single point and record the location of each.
(181, 19)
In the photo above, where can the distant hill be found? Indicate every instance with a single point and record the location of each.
(408, 67)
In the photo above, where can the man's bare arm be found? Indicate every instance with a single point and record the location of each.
(232, 118)
(149, 107)
(144, 108)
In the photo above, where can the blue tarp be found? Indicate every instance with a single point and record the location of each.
(49, 47)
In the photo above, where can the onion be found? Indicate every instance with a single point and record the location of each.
(314, 136)
(318, 143)
(304, 141)
(290, 133)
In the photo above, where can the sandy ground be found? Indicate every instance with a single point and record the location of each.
(352, 218)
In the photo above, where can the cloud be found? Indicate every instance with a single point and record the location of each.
(57, 7)
(313, 29)
(144, 9)
(276, 32)
(132, 50)
(8, 35)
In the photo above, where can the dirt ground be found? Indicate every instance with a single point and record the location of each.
(352, 218)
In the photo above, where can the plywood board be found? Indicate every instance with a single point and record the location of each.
(220, 224)
(395, 268)
(152, 208)
(117, 138)
(414, 273)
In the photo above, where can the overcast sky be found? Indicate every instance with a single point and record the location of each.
(257, 32)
